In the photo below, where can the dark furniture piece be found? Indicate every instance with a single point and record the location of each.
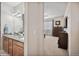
(66, 22)
(63, 40)
(63, 37)
(56, 31)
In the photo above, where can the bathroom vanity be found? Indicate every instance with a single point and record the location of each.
(12, 28)
(12, 45)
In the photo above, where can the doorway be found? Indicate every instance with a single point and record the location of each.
(55, 25)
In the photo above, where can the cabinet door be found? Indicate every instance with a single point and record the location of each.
(17, 49)
(10, 47)
(5, 44)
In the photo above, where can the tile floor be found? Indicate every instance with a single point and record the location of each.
(3, 53)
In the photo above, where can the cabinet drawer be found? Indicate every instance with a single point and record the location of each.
(17, 51)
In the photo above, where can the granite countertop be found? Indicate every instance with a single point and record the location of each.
(15, 37)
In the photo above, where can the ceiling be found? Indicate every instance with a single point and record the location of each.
(15, 8)
(54, 9)
(12, 4)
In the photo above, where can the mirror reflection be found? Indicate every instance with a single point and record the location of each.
(14, 23)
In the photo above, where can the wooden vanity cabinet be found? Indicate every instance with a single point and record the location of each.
(13, 47)
(5, 44)
(10, 46)
(18, 49)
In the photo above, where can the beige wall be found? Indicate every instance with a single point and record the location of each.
(26, 29)
(73, 28)
(61, 19)
(34, 29)
(68, 29)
